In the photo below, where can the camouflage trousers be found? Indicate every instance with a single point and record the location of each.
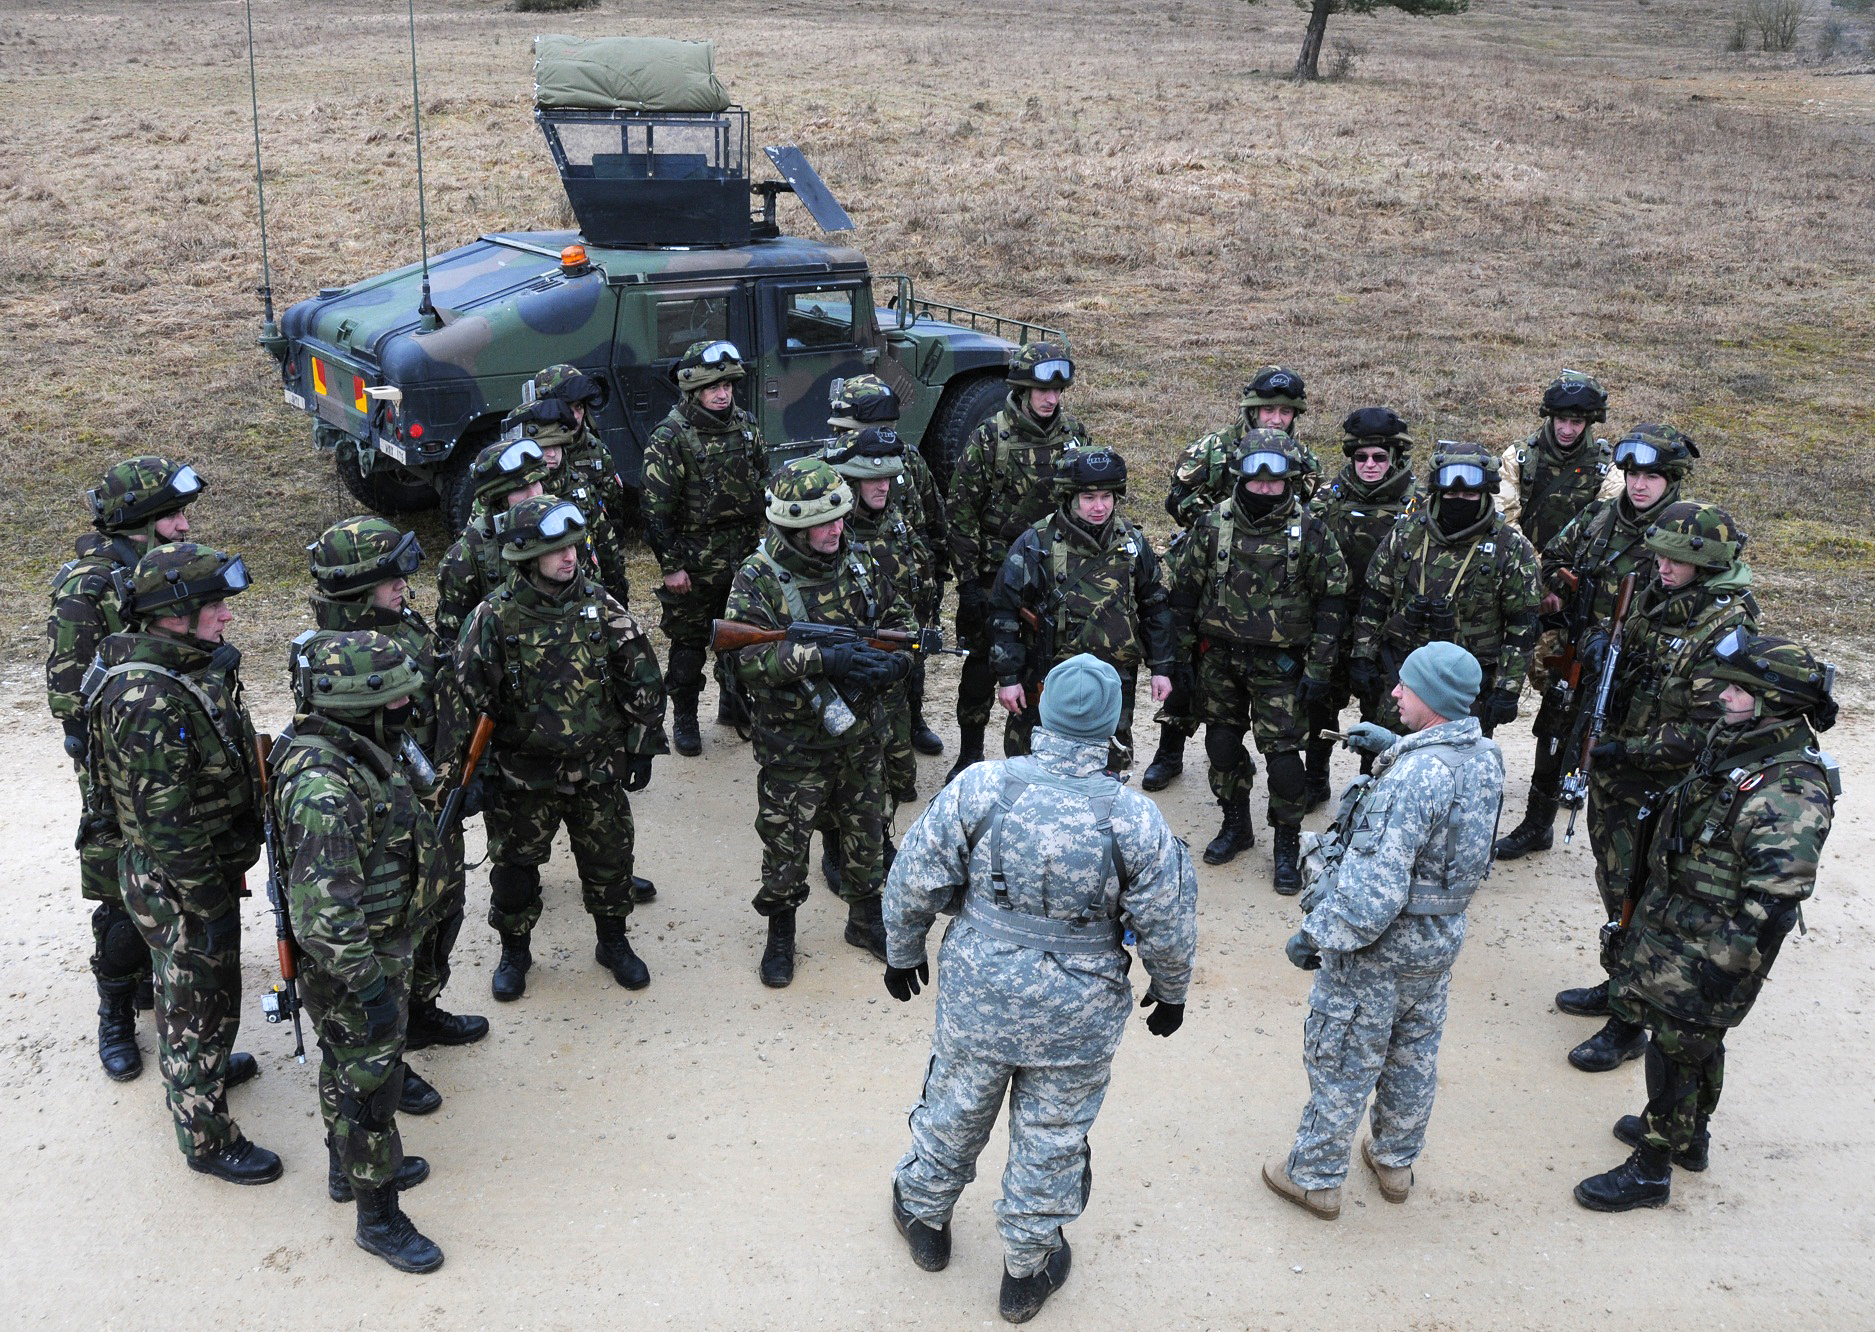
(1614, 806)
(1050, 1171)
(1019, 726)
(360, 1080)
(685, 617)
(197, 965)
(1254, 688)
(1685, 1076)
(1369, 1032)
(430, 956)
(521, 825)
(846, 785)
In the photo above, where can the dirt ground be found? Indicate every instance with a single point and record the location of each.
(710, 1154)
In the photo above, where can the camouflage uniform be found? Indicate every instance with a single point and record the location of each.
(1545, 485)
(588, 476)
(1388, 929)
(473, 568)
(1038, 1021)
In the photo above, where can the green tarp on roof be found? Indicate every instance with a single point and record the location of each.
(626, 74)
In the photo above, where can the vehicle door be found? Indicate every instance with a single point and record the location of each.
(656, 325)
(812, 334)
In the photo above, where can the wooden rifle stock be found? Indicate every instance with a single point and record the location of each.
(731, 635)
(287, 1003)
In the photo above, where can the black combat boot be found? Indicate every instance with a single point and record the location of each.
(146, 995)
(117, 1030)
(1537, 832)
(1317, 791)
(1023, 1297)
(417, 1097)
(643, 890)
(1610, 1048)
(240, 1162)
(969, 750)
(778, 956)
(1287, 879)
(614, 951)
(865, 926)
(411, 1173)
(510, 981)
(830, 861)
(1645, 1179)
(242, 1067)
(383, 1229)
(1236, 834)
(430, 1025)
(1588, 1001)
(1168, 761)
(686, 738)
(1631, 1129)
(930, 1245)
(923, 739)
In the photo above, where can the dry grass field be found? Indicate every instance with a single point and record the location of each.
(1487, 199)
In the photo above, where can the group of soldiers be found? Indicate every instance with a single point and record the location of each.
(537, 697)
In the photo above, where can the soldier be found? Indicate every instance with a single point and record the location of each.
(1597, 549)
(172, 752)
(361, 886)
(1561, 469)
(704, 469)
(142, 502)
(362, 567)
(1700, 592)
(504, 474)
(1004, 482)
(1258, 596)
(1051, 853)
(819, 723)
(1452, 572)
(1082, 579)
(865, 400)
(1360, 506)
(1384, 930)
(554, 415)
(1732, 861)
(1204, 476)
(573, 686)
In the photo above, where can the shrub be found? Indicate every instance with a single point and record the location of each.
(550, 6)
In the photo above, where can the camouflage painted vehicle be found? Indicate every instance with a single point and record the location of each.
(669, 252)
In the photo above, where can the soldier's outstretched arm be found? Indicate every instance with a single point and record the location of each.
(1161, 900)
(932, 866)
(1377, 869)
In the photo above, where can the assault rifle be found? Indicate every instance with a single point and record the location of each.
(1566, 666)
(447, 817)
(282, 1002)
(1615, 932)
(1041, 652)
(729, 635)
(1594, 720)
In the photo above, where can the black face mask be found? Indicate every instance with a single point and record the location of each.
(1261, 506)
(1455, 515)
(390, 726)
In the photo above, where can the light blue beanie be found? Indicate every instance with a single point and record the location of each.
(1445, 676)
(1081, 700)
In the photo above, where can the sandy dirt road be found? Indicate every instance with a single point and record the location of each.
(710, 1154)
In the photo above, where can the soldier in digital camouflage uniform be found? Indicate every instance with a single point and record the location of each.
(141, 502)
(362, 567)
(1360, 506)
(1258, 593)
(705, 466)
(504, 474)
(1091, 581)
(1384, 929)
(866, 400)
(1004, 483)
(172, 754)
(361, 887)
(1731, 862)
(1453, 571)
(1597, 548)
(1701, 590)
(573, 685)
(818, 719)
(579, 470)
(1203, 477)
(1046, 857)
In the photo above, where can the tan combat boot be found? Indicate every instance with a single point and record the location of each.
(1325, 1203)
(1395, 1181)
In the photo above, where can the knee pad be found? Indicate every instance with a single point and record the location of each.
(686, 667)
(513, 888)
(1287, 775)
(121, 950)
(223, 934)
(1223, 745)
(374, 1112)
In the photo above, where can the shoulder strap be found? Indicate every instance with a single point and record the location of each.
(1020, 774)
(797, 604)
(380, 825)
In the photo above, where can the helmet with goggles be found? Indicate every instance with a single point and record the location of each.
(353, 673)
(505, 467)
(707, 363)
(1276, 386)
(539, 526)
(861, 401)
(1782, 675)
(1577, 395)
(139, 491)
(180, 578)
(1656, 448)
(1082, 470)
(1041, 365)
(568, 384)
(1268, 455)
(1457, 465)
(353, 556)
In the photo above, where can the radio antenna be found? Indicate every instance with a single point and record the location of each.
(427, 310)
(269, 329)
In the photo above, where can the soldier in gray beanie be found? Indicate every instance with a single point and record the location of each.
(1446, 678)
(1081, 700)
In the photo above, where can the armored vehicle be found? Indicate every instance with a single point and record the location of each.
(406, 375)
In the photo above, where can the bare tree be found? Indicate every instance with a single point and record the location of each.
(1308, 64)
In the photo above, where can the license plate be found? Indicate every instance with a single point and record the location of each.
(396, 451)
(294, 400)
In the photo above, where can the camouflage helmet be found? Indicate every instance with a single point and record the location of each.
(806, 493)
(539, 526)
(138, 492)
(1786, 679)
(1702, 535)
(706, 363)
(352, 673)
(1269, 455)
(1458, 465)
(1041, 365)
(180, 578)
(1082, 470)
(861, 401)
(569, 384)
(1375, 427)
(1656, 448)
(549, 422)
(505, 467)
(876, 451)
(1573, 393)
(353, 556)
(1276, 386)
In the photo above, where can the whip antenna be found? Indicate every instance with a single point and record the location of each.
(269, 330)
(427, 310)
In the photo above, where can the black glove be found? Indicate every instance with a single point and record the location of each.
(1165, 1018)
(1302, 951)
(872, 669)
(1498, 706)
(836, 659)
(1364, 674)
(380, 1014)
(77, 739)
(1592, 651)
(638, 772)
(903, 982)
(1311, 694)
(1609, 751)
(973, 608)
(474, 796)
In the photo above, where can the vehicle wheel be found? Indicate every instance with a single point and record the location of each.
(452, 479)
(386, 488)
(963, 408)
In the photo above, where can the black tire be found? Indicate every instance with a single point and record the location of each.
(387, 488)
(962, 409)
(452, 478)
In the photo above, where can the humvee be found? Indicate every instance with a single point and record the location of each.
(407, 375)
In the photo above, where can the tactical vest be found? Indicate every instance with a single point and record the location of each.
(90, 577)
(1705, 864)
(1470, 589)
(1607, 553)
(835, 709)
(1112, 631)
(1664, 694)
(1552, 494)
(556, 667)
(722, 475)
(1359, 526)
(1268, 568)
(221, 790)
(1020, 467)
